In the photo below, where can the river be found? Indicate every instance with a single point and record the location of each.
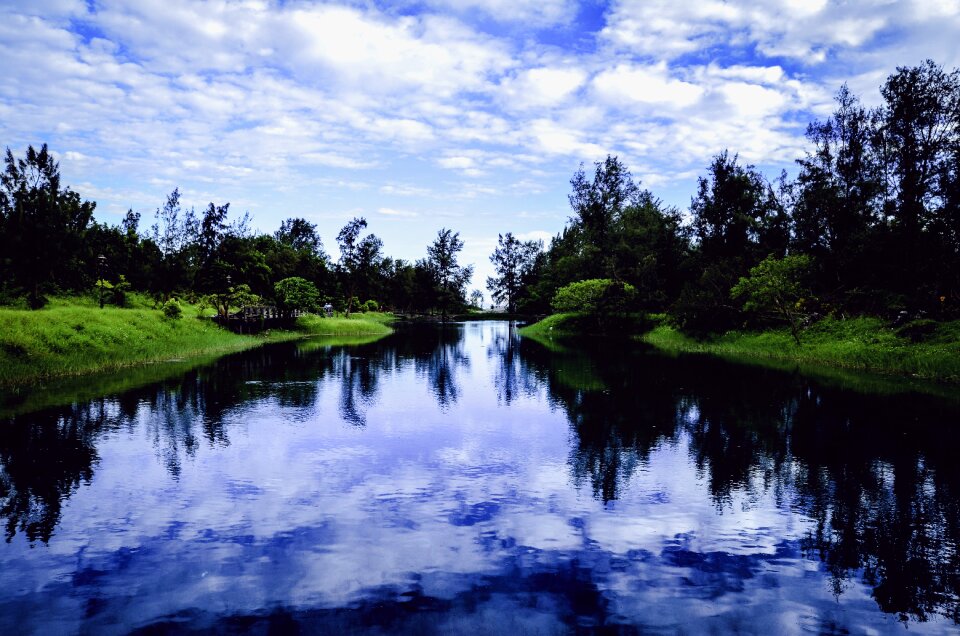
(462, 479)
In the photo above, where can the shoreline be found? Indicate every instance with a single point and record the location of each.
(70, 340)
(863, 344)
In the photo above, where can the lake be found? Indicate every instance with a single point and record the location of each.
(462, 479)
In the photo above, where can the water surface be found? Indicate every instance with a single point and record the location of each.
(461, 479)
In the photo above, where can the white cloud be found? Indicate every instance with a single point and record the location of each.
(405, 190)
(798, 29)
(432, 54)
(335, 160)
(535, 235)
(751, 101)
(554, 138)
(649, 85)
(540, 87)
(529, 12)
(397, 213)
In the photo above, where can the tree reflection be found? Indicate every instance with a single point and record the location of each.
(875, 473)
(512, 378)
(442, 362)
(47, 454)
(41, 465)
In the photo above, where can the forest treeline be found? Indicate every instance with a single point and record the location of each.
(869, 225)
(50, 243)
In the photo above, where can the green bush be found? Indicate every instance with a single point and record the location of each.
(371, 305)
(172, 309)
(120, 290)
(775, 287)
(297, 293)
(594, 296)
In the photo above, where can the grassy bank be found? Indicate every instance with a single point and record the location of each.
(74, 337)
(866, 344)
(369, 324)
(861, 344)
(576, 324)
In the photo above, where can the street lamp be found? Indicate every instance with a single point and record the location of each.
(101, 264)
(225, 298)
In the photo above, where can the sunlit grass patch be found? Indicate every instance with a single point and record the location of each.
(69, 339)
(357, 324)
(857, 343)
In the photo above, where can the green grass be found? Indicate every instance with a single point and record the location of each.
(371, 323)
(925, 350)
(74, 337)
(866, 344)
(565, 325)
(557, 325)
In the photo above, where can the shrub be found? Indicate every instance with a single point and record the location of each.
(120, 291)
(594, 296)
(371, 305)
(172, 309)
(297, 293)
(203, 303)
(775, 286)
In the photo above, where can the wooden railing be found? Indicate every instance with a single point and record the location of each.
(256, 317)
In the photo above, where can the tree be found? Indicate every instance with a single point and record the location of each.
(300, 235)
(175, 237)
(599, 298)
(360, 260)
(589, 296)
(297, 294)
(776, 286)
(513, 261)
(735, 214)
(42, 226)
(597, 205)
(449, 277)
(213, 227)
(476, 298)
(650, 250)
(236, 297)
(920, 133)
(736, 220)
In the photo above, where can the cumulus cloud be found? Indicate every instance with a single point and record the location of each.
(808, 31)
(334, 106)
(528, 12)
(542, 87)
(645, 85)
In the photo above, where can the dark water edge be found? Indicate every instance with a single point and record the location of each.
(461, 479)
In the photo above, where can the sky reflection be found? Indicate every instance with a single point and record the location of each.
(465, 479)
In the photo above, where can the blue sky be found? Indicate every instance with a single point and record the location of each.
(417, 115)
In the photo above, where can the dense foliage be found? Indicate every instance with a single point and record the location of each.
(50, 243)
(870, 225)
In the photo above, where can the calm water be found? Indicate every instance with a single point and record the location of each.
(463, 480)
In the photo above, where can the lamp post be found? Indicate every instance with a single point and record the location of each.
(101, 263)
(226, 298)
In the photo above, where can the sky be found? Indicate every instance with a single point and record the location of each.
(427, 114)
